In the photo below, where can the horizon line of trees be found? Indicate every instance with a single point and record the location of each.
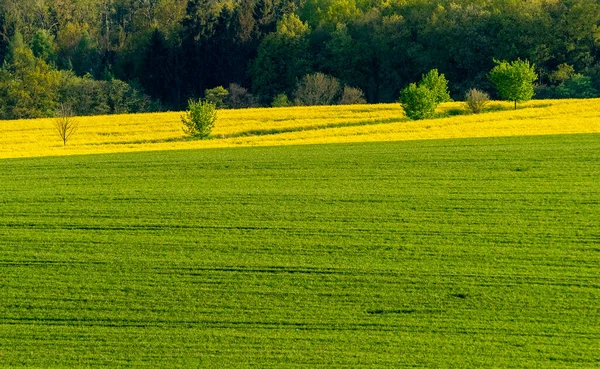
(117, 56)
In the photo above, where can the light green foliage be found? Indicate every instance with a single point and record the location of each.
(217, 96)
(514, 81)
(329, 13)
(43, 47)
(280, 101)
(31, 88)
(283, 58)
(87, 96)
(437, 84)
(122, 98)
(200, 118)
(375, 45)
(292, 27)
(479, 253)
(418, 101)
(28, 85)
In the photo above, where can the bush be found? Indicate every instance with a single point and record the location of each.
(418, 102)
(87, 96)
(281, 101)
(352, 95)
(437, 84)
(578, 86)
(216, 96)
(317, 89)
(476, 100)
(239, 97)
(200, 118)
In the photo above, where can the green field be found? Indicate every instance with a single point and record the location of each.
(449, 253)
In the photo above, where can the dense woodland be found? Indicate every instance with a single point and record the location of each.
(113, 56)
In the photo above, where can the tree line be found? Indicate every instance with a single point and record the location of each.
(112, 56)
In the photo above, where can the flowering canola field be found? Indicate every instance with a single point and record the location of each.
(297, 125)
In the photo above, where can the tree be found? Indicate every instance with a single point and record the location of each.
(281, 101)
(562, 73)
(317, 89)
(514, 81)
(437, 84)
(198, 26)
(476, 100)
(28, 86)
(64, 123)
(351, 96)
(155, 64)
(43, 47)
(216, 96)
(577, 86)
(420, 100)
(239, 97)
(283, 57)
(200, 118)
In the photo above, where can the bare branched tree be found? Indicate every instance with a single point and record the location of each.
(64, 123)
(476, 100)
(317, 89)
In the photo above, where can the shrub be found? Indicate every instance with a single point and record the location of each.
(578, 86)
(352, 95)
(317, 89)
(476, 100)
(418, 102)
(239, 97)
(437, 84)
(87, 96)
(200, 118)
(216, 96)
(281, 101)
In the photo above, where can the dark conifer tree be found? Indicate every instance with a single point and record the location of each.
(198, 27)
(154, 76)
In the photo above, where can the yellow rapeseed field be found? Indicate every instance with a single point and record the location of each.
(297, 125)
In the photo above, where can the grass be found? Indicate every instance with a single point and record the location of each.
(296, 126)
(439, 253)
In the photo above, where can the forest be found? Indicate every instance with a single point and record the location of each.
(120, 56)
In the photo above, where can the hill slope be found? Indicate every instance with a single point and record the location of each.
(449, 253)
(298, 125)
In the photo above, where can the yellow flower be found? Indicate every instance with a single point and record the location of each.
(297, 125)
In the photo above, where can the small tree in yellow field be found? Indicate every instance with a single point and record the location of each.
(200, 118)
(514, 81)
(64, 123)
(420, 100)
